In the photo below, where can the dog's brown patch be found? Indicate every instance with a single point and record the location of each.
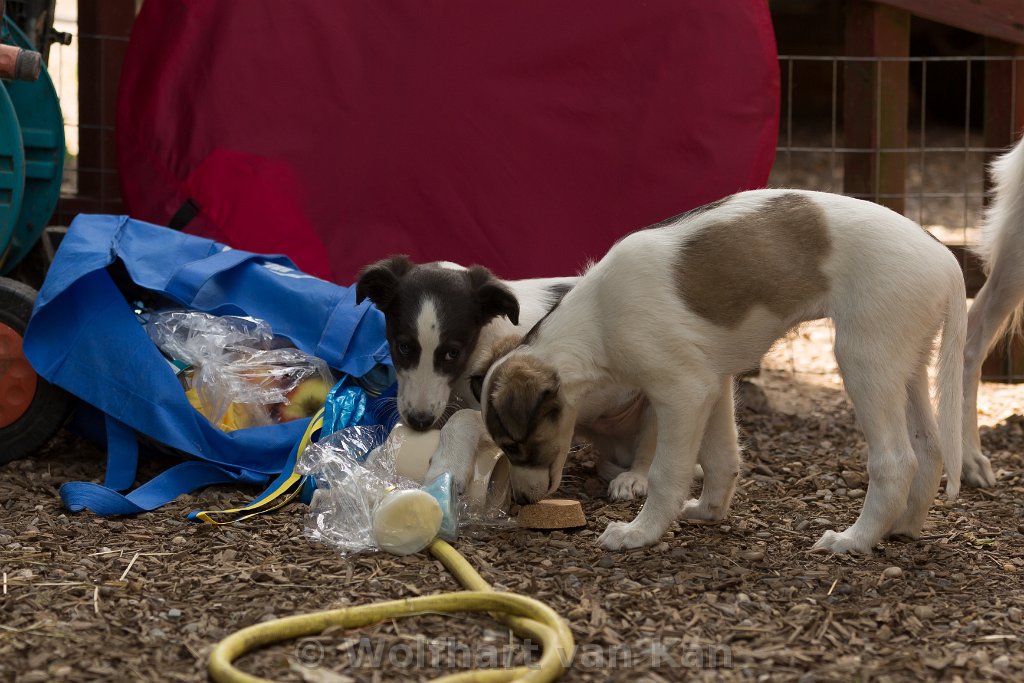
(771, 257)
(524, 404)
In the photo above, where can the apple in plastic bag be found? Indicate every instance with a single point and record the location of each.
(305, 399)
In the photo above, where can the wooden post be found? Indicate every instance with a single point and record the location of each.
(103, 29)
(1004, 123)
(875, 102)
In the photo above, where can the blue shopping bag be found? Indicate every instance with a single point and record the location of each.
(84, 336)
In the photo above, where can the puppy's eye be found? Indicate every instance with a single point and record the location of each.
(476, 385)
(452, 355)
(403, 348)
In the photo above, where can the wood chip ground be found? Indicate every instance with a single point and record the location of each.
(146, 598)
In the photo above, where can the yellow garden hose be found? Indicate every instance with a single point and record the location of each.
(528, 618)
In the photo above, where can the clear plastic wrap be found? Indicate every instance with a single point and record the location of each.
(233, 373)
(356, 469)
(480, 470)
(274, 386)
(360, 504)
(195, 337)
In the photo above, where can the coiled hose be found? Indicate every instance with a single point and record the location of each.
(528, 618)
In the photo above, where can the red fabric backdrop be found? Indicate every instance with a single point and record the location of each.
(525, 135)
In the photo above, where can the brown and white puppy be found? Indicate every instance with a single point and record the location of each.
(676, 310)
(613, 419)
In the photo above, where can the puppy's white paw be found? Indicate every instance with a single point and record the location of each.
(977, 470)
(627, 486)
(841, 542)
(619, 536)
(696, 509)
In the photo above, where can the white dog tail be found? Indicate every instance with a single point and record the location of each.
(950, 385)
(1002, 232)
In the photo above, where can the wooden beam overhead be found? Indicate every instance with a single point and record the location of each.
(1002, 19)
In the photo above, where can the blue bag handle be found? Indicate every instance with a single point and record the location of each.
(185, 283)
(122, 465)
(183, 478)
(122, 455)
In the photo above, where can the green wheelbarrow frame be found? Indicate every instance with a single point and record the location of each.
(31, 172)
(39, 126)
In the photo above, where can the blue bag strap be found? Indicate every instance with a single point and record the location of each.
(183, 478)
(122, 455)
(185, 284)
(289, 485)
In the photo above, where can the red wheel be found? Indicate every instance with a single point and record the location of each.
(31, 409)
(17, 378)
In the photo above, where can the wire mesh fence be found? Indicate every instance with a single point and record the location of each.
(932, 168)
(946, 150)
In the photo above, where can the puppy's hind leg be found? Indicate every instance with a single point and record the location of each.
(992, 308)
(878, 392)
(682, 403)
(720, 457)
(923, 433)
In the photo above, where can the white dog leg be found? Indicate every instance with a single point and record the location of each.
(995, 303)
(720, 457)
(878, 392)
(632, 484)
(682, 411)
(923, 433)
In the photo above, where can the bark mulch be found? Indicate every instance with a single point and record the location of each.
(146, 598)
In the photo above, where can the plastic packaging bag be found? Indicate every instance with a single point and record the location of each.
(360, 504)
(233, 374)
(355, 469)
(195, 337)
(272, 386)
(479, 468)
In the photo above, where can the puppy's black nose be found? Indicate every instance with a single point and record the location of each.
(421, 422)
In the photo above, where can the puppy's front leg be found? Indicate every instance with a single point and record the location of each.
(632, 483)
(681, 409)
(720, 457)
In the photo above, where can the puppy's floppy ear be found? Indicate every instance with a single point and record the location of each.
(378, 282)
(526, 386)
(493, 297)
(551, 388)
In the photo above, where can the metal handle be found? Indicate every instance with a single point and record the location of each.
(18, 64)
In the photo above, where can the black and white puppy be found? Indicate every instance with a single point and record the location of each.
(440, 317)
(677, 310)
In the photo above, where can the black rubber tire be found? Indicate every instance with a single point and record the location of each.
(50, 406)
